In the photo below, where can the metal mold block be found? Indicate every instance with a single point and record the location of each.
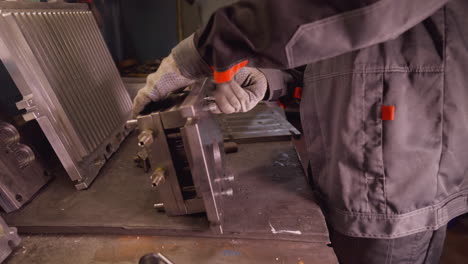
(21, 175)
(263, 123)
(185, 147)
(61, 65)
(8, 238)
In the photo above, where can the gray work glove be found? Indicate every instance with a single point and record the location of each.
(243, 93)
(160, 84)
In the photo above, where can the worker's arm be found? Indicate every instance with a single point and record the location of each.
(281, 34)
(284, 34)
(282, 81)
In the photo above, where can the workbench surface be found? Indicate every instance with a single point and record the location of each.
(271, 202)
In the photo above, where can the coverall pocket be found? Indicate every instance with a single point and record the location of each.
(365, 157)
(344, 136)
(412, 142)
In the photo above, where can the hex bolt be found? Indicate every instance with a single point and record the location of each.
(226, 179)
(132, 123)
(158, 177)
(145, 139)
(229, 192)
(159, 206)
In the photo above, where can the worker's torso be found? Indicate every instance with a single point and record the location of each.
(387, 129)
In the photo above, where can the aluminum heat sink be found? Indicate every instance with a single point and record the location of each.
(61, 65)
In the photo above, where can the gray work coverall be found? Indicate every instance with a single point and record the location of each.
(384, 108)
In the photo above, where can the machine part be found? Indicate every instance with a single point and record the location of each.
(142, 160)
(229, 179)
(24, 156)
(229, 192)
(231, 147)
(154, 259)
(158, 177)
(264, 123)
(61, 65)
(21, 176)
(145, 139)
(8, 134)
(9, 239)
(188, 147)
(159, 207)
(132, 123)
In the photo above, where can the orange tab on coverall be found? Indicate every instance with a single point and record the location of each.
(388, 112)
(226, 76)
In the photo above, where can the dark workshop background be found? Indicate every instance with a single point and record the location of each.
(147, 29)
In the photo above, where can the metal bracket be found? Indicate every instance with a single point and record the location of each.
(32, 111)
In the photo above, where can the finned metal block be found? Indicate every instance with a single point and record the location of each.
(61, 65)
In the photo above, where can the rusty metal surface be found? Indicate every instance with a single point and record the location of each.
(270, 191)
(183, 250)
(120, 201)
(127, 249)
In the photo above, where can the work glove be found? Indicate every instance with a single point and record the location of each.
(160, 84)
(184, 66)
(243, 93)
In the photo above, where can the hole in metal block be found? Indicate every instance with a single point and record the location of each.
(109, 148)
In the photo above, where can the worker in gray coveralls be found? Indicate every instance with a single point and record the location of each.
(384, 108)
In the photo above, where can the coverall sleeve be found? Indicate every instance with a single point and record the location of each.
(285, 34)
(282, 81)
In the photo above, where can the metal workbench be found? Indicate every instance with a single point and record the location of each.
(271, 201)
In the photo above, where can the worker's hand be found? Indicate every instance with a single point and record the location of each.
(160, 84)
(241, 94)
